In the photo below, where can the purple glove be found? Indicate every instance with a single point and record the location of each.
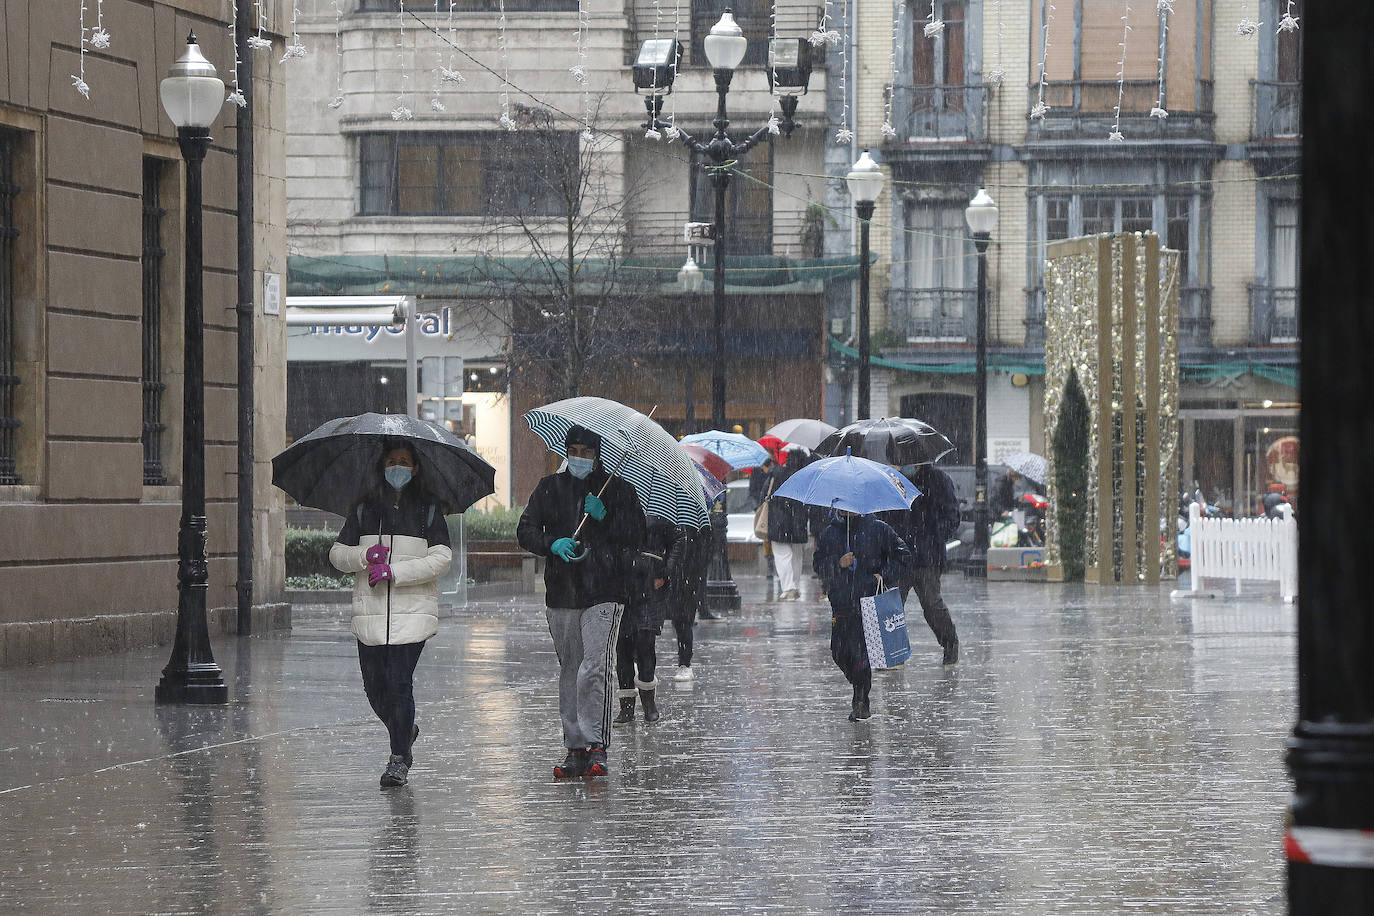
(377, 554)
(378, 572)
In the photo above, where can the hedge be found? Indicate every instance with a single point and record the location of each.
(307, 549)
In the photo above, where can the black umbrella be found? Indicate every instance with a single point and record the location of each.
(333, 467)
(891, 440)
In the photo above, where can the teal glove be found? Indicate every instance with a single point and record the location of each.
(565, 549)
(594, 507)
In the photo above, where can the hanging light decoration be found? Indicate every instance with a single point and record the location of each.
(844, 134)
(506, 120)
(338, 100)
(1289, 22)
(1247, 26)
(402, 111)
(934, 26)
(450, 73)
(260, 42)
(1040, 109)
(1115, 135)
(998, 73)
(100, 39)
(295, 50)
(79, 79)
(1164, 8)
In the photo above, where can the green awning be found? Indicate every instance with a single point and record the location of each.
(370, 275)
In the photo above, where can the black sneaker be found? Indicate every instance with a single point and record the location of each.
(414, 733)
(627, 712)
(859, 711)
(573, 765)
(596, 761)
(951, 654)
(395, 773)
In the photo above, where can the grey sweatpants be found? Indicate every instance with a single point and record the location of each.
(584, 641)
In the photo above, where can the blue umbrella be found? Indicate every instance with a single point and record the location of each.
(737, 449)
(851, 483)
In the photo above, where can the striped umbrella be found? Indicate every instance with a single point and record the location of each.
(633, 447)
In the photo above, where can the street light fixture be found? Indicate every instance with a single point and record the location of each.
(192, 96)
(724, 47)
(981, 216)
(865, 181)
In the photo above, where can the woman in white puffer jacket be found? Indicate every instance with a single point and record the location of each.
(396, 543)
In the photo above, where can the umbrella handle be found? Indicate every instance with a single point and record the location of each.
(607, 482)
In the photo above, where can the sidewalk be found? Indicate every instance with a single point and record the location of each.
(1096, 750)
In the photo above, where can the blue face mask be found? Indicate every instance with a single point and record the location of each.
(398, 476)
(581, 467)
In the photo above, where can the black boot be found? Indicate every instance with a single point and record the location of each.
(646, 699)
(627, 711)
(859, 711)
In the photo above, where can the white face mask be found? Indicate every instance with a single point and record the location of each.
(581, 467)
(398, 476)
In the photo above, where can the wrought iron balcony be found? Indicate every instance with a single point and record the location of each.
(1274, 314)
(1276, 110)
(926, 315)
(926, 113)
(1087, 109)
(649, 234)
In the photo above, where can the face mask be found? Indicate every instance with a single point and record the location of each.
(581, 467)
(398, 476)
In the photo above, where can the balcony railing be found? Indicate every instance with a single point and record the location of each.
(652, 234)
(923, 315)
(1277, 110)
(940, 112)
(1274, 314)
(1088, 108)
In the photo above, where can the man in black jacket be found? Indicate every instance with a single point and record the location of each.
(933, 520)
(587, 582)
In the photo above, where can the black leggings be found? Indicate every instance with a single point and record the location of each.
(850, 652)
(635, 648)
(389, 680)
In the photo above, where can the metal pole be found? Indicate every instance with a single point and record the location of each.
(720, 178)
(978, 558)
(864, 209)
(191, 675)
(1330, 838)
(246, 314)
(412, 371)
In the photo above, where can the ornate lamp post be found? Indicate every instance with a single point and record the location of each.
(192, 96)
(655, 70)
(981, 215)
(865, 181)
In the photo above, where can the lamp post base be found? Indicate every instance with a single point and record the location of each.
(723, 595)
(975, 565)
(199, 684)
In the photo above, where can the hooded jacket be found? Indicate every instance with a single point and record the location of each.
(554, 511)
(405, 609)
(878, 551)
(932, 520)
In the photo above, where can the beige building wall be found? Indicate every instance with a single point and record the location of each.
(88, 553)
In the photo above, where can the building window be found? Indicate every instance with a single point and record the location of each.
(748, 200)
(938, 300)
(153, 257)
(1283, 270)
(939, 60)
(9, 379)
(526, 174)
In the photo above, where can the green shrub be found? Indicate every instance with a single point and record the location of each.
(318, 582)
(307, 552)
(496, 525)
(1071, 479)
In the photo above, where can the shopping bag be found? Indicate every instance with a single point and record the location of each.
(884, 621)
(761, 517)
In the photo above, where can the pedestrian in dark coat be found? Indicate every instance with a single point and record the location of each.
(933, 520)
(396, 544)
(650, 601)
(688, 562)
(852, 553)
(787, 526)
(587, 582)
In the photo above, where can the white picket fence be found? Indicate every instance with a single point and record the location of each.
(1243, 549)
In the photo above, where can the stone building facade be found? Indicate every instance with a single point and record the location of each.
(1217, 178)
(91, 229)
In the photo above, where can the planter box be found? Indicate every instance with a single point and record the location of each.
(1019, 564)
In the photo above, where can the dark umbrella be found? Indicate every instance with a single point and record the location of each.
(891, 440)
(333, 467)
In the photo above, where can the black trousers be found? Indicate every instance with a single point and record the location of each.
(850, 652)
(925, 581)
(389, 680)
(684, 617)
(634, 648)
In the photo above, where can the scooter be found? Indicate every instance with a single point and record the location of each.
(1185, 540)
(1023, 526)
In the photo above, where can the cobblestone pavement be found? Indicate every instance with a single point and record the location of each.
(1096, 751)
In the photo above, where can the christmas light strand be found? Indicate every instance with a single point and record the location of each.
(579, 70)
(236, 96)
(1115, 135)
(402, 111)
(998, 74)
(1164, 8)
(887, 128)
(844, 134)
(773, 122)
(100, 39)
(338, 100)
(1040, 109)
(934, 25)
(824, 34)
(506, 120)
(1247, 26)
(450, 73)
(652, 133)
(259, 42)
(79, 79)
(295, 50)
(435, 103)
(671, 131)
(1289, 22)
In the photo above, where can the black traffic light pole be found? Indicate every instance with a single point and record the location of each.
(1330, 839)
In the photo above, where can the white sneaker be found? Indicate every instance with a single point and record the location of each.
(791, 594)
(684, 673)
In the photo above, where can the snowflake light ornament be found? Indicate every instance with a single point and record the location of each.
(579, 73)
(81, 86)
(1158, 112)
(1289, 23)
(1164, 6)
(997, 76)
(888, 130)
(507, 122)
(1039, 110)
(822, 37)
(402, 113)
(672, 133)
(334, 103)
(293, 52)
(1116, 137)
(774, 125)
(451, 76)
(844, 135)
(241, 100)
(258, 43)
(1248, 27)
(652, 135)
(100, 39)
(933, 28)
(436, 105)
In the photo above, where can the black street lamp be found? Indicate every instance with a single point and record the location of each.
(192, 96)
(981, 215)
(654, 70)
(865, 181)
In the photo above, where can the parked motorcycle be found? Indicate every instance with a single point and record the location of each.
(1185, 540)
(1023, 526)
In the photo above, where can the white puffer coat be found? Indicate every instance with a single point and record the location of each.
(406, 609)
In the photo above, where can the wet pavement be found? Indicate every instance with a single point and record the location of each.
(1096, 751)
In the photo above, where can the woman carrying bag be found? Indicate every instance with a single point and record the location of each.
(786, 524)
(396, 543)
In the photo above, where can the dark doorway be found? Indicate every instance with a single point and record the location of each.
(951, 414)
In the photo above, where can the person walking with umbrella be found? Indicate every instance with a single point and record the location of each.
(788, 527)
(395, 541)
(931, 522)
(589, 524)
(651, 593)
